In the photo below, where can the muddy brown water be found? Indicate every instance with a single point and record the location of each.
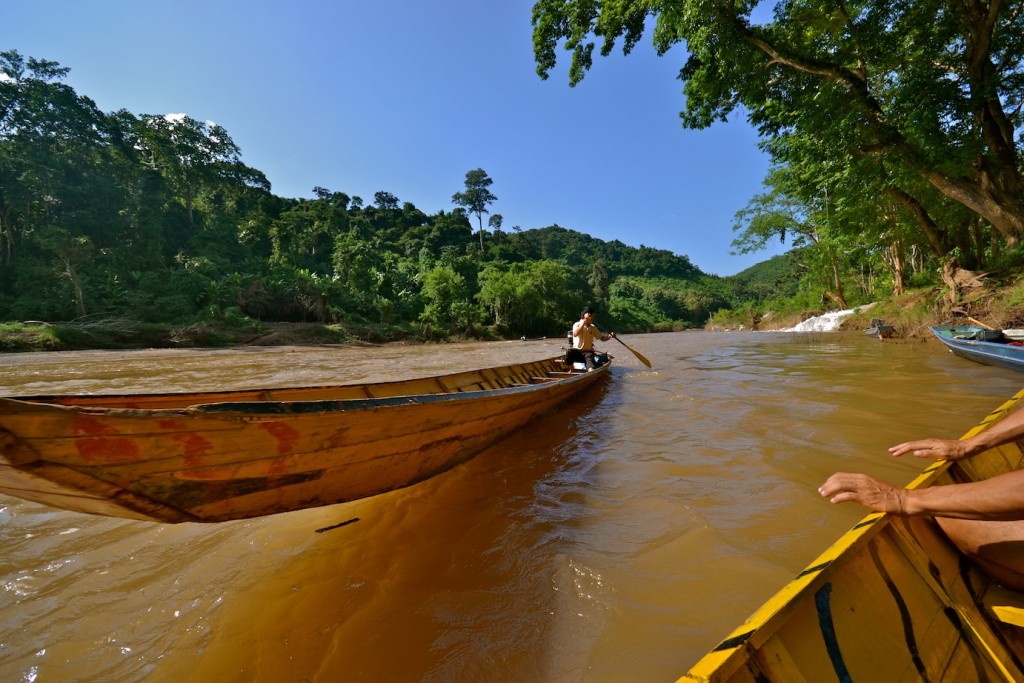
(617, 539)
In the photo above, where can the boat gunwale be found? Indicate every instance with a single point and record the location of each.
(939, 331)
(293, 406)
(742, 644)
(343, 405)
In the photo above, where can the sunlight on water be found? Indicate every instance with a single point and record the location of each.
(617, 539)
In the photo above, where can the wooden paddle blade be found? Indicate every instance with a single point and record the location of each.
(641, 357)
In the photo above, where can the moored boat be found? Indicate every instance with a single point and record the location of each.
(891, 600)
(879, 329)
(219, 456)
(982, 345)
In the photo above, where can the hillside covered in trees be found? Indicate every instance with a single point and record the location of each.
(157, 219)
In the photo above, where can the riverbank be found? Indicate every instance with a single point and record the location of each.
(997, 304)
(118, 334)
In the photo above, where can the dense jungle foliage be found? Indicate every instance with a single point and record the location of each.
(156, 219)
(894, 129)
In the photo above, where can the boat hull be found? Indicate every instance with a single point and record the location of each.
(1003, 355)
(891, 600)
(234, 455)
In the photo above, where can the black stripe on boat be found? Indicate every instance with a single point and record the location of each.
(823, 605)
(813, 570)
(734, 642)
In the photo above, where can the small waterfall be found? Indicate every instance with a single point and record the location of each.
(828, 322)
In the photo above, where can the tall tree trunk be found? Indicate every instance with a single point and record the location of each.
(76, 285)
(837, 294)
(896, 260)
(938, 241)
(6, 235)
(1005, 211)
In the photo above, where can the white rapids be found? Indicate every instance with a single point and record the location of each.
(827, 322)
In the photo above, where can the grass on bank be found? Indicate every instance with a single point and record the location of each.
(122, 334)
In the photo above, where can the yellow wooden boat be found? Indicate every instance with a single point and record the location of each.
(212, 457)
(892, 600)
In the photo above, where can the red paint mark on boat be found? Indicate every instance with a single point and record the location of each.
(286, 436)
(107, 451)
(194, 447)
(84, 424)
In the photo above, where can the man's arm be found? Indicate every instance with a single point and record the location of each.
(998, 498)
(1008, 429)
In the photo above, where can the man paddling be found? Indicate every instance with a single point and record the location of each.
(985, 519)
(584, 332)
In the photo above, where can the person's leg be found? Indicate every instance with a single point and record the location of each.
(996, 547)
(588, 359)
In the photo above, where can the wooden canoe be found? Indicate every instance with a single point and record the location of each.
(213, 457)
(892, 600)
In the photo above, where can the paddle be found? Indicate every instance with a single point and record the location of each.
(640, 356)
(979, 323)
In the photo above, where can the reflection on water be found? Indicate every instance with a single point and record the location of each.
(616, 539)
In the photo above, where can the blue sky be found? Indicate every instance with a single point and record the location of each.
(406, 96)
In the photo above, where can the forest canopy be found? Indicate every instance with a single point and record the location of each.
(156, 218)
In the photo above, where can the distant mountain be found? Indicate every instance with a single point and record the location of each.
(575, 248)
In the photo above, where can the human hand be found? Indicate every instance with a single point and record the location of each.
(939, 449)
(872, 493)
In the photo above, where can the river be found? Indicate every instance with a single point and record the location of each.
(617, 539)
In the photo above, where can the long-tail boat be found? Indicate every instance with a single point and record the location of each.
(987, 346)
(892, 600)
(219, 456)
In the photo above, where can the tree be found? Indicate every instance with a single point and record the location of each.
(385, 201)
(49, 135)
(529, 298)
(448, 299)
(476, 197)
(73, 254)
(599, 280)
(305, 235)
(808, 221)
(922, 84)
(495, 222)
(192, 154)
